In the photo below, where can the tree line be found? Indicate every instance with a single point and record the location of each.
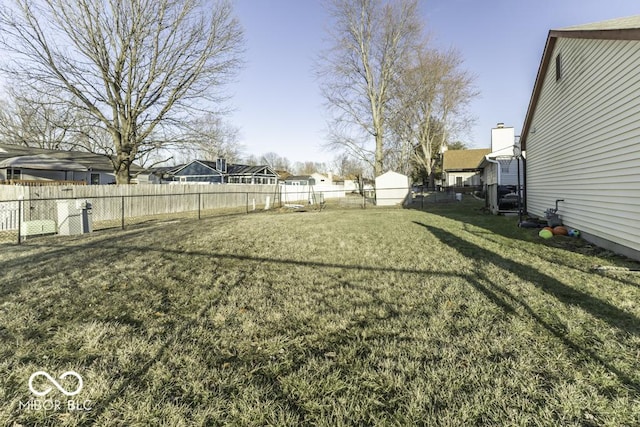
(141, 80)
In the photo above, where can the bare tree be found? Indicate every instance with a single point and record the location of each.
(210, 137)
(457, 145)
(252, 160)
(371, 41)
(136, 66)
(42, 124)
(275, 161)
(308, 167)
(347, 167)
(432, 95)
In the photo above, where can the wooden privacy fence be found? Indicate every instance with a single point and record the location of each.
(110, 205)
(40, 183)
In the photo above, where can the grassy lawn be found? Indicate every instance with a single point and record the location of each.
(340, 317)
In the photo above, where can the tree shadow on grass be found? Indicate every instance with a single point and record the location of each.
(472, 213)
(569, 296)
(566, 294)
(52, 252)
(501, 297)
(491, 227)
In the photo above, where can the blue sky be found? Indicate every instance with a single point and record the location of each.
(276, 98)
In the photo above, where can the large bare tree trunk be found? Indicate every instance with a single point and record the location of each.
(371, 40)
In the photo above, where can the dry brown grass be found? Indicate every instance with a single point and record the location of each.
(340, 317)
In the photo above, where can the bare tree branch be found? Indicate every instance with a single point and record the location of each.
(371, 40)
(135, 66)
(431, 97)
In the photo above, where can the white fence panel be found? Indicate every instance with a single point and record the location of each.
(310, 193)
(9, 212)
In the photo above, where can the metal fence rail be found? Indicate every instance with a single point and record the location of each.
(22, 219)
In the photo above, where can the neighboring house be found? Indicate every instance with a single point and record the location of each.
(39, 166)
(299, 180)
(500, 171)
(321, 179)
(582, 133)
(349, 183)
(460, 167)
(392, 188)
(219, 172)
(312, 179)
(282, 174)
(243, 174)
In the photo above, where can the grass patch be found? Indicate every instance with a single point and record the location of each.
(339, 317)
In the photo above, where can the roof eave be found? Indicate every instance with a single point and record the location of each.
(537, 86)
(604, 34)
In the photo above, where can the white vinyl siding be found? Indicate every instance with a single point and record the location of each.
(462, 179)
(491, 174)
(584, 141)
(492, 170)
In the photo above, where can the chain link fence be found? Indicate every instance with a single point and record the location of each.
(23, 219)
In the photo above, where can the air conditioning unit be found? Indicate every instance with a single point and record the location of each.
(38, 227)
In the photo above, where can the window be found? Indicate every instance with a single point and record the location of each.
(95, 179)
(458, 181)
(558, 67)
(13, 173)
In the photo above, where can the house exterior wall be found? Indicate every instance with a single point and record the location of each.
(40, 175)
(468, 178)
(48, 175)
(583, 144)
(299, 182)
(322, 179)
(104, 177)
(502, 174)
(509, 174)
(490, 174)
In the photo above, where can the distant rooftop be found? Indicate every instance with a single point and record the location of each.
(626, 23)
(463, 159)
